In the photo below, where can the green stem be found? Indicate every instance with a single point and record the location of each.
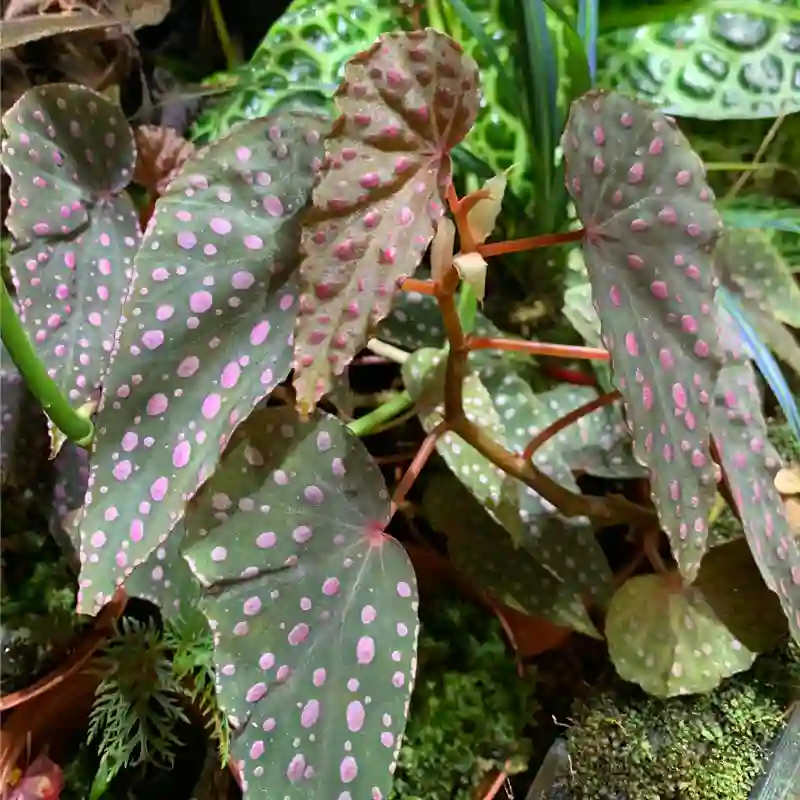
(363, 426)
(68, 420)
(225, 41)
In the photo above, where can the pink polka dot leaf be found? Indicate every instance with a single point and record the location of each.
(206, 334)
(404, 104)
(666, 637)
(313, 607)
(70, 155)
(750, 464)
(650, 228)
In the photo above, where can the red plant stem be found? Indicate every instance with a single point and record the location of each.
(567, 375)
(530, 243)
(416, 285)
(555, 428)
(497, 785)
(415, 468)
(539, 348)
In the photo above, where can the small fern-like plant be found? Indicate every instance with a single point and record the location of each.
(150, 677)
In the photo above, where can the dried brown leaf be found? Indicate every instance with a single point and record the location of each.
(162, 153)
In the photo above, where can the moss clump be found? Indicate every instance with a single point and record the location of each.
(469, 708)
(704, 747)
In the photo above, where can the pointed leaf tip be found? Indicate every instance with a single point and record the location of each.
(404, 103)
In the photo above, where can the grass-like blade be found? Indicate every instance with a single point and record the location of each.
(588, 23)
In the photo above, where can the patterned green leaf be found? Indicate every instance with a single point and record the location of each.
(313, 608)
(404, 104)
(667, 638)
(423, 376)
(70, 154)
(300, 60)
(207, 334)
(726, 64)
(650, 228)
(750, 463)
(483, 552)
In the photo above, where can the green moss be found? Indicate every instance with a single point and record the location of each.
(468, 710)
(705, 747)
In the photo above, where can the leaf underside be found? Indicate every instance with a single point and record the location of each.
(207, 334)
(404, 103)
(668, 639)
(70, 154)
(313, 608)
(650, 228)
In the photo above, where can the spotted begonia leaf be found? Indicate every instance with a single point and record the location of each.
(405, 103)
(597, 444)
(70, 154)
(650, 225)
(484, 553)
(748, 263)
(566, 547)
(751, 463)
(313, 608)
(666, 637)
(207, 334)
(423, 375)
(165, 578)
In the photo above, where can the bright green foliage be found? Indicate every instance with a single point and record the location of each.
(300, 60)
(469, 709)
(708, 747)
(728, 64)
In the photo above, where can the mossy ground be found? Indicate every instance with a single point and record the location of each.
(706, 747)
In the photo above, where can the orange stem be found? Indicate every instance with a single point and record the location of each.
(419, 286)
(497, 785)
(539, 348)
(581, 411)
(530, 243)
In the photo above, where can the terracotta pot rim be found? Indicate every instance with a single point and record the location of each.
(87, 644)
